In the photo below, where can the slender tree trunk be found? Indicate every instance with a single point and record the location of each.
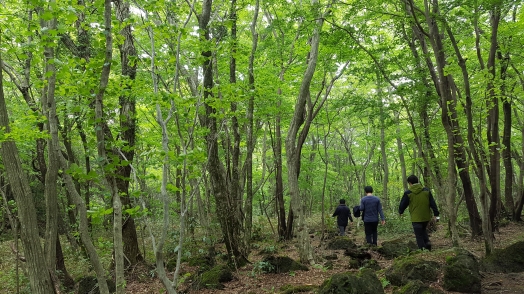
(248, 207)
(83, 226)
(49, 110)
(445, 85)
(385, 178)
(401, 156)
(226, 209)
(236, 180)
(38, 272)
(159, 253)
(520, 201)
(128, 129)
(294, 145)
(283, 230)
(492, 131)
(506, 138)
(449, 119)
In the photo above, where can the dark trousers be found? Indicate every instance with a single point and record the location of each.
(370, 228)
(421, 234)
(342, 230)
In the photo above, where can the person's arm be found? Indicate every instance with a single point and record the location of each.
(349, 214)
(433, 205)
(382, 217)
(362, 204)
(404, 203)
(335, 213)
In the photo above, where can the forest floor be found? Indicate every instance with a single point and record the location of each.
(248, 280)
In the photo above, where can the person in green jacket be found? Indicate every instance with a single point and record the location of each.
(420, 203)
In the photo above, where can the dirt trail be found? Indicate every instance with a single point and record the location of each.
(248, 280)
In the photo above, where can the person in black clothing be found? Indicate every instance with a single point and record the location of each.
(342, 213)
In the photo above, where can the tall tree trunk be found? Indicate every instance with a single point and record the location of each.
(492, 131)
(295, 140)
(401, 155)
(520, 200)
(383, 152)
(449, 119)
(248, 207)
(506, 142)
(473, 138)
(284, 232)
(51, 177)
(127, 116)
(38, 272)
(445, 84)
(226, 209)
(236, 181)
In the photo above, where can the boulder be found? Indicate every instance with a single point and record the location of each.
(359, 253)
(331, 257)
(416, 287)
(461, 273)
(214, 278)
(507, 260)
(404, 270)
(398, 247)
(341, 243)
(284, 264)
(363, 282)
(371, 264)
(329, 264)
(354, 264)
(90, 285)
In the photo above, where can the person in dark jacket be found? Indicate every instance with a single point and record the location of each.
(371, 208)
(420, 202)
(342, 213)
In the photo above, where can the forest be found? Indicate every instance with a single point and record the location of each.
(141, 134)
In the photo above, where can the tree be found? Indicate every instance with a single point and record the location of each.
(38, 271)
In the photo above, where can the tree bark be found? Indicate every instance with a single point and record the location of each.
(49, 110)
(444, 84)
(227, 210)
(127, 116)
(38, 272)
(295, 138)
(401, 155)
(248, 207)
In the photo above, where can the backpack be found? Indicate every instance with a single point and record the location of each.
(356, 211)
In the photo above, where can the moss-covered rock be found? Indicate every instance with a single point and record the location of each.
(404, 270)
(507, 260)
(416, 287)
(329, 265)
(341, 243)
(329, 235)
(461, 273)
(90, 285)
(371, 264)
(354, 264)
(363, 282)
(331, 256)
(284, 264)
(214, 278)
(291, 289)
(359, 253)
(398, 247)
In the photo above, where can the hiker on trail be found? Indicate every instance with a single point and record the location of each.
(371, 208)
(419, 200)
(343, 214)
